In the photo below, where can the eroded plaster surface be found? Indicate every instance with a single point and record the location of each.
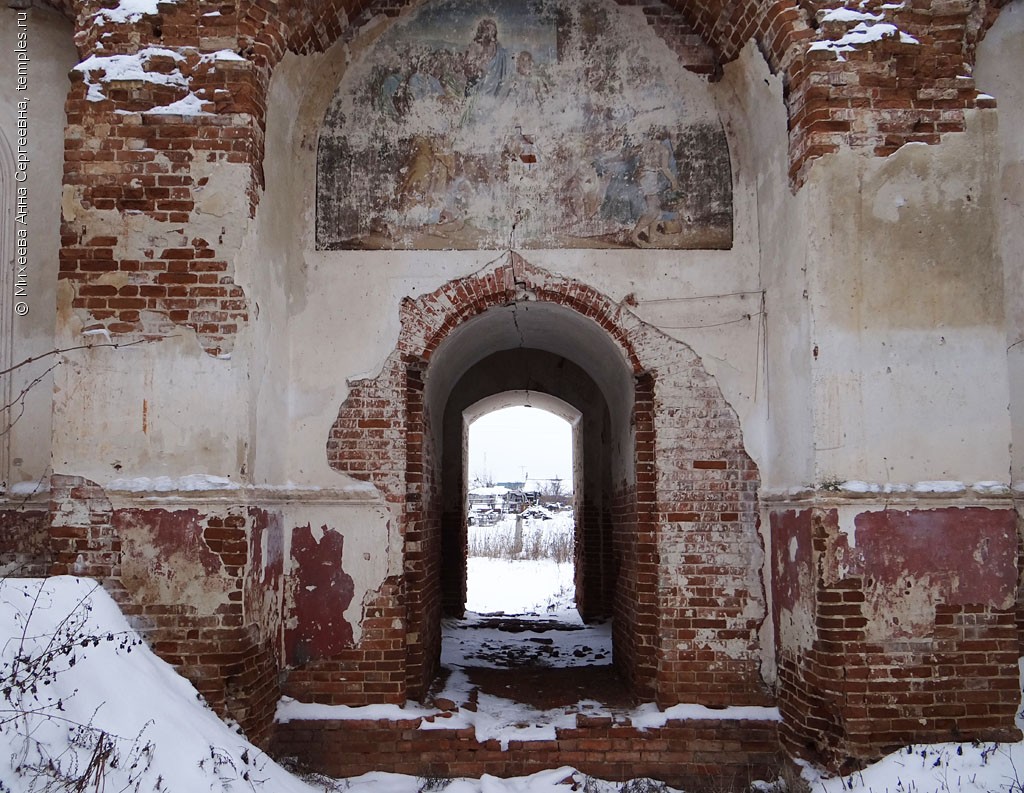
(911, 560)
(997, 71)
(522, 126)
(906, 302)
(167, 559)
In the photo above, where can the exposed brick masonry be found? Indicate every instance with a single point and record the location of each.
(660, 630)
(124, 161)
(228, 656)
(859, 689)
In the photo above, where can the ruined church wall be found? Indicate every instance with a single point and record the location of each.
(359, 325)
(248, 387)
(911, 452)
(47, 38)
(26, 427)
(340, 310)
(777, 422)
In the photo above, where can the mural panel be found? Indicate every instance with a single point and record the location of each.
(538, 124)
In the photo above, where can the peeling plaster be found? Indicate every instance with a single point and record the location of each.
(165, 559)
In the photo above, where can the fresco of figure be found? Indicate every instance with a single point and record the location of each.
(487, 62)
(488, 69)
(467, 123)
(656, 172)
(529, 86)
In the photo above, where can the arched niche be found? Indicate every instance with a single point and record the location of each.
(521, 125)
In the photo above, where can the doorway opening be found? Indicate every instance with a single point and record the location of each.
(521, 613)
(519, 513)
(667, 540)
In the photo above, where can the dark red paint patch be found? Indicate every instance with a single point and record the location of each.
(177, 532)
(968, 553)
(322, 591)
(267, 524)
(788, 526)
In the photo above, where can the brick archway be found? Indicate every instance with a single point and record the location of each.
(689, 602)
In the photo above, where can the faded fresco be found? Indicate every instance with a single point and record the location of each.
(481, 124)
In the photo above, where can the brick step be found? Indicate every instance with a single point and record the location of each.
(687, 753)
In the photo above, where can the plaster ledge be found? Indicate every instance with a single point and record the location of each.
(218, 491)
(853, 490)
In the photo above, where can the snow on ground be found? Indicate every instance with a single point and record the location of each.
(77, 708)
(935, 768)
(519, 586)
(540, 581)
(83, 696)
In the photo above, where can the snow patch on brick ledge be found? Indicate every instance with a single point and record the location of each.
(193, 483)
(127, 12)
(167, 484)
(138, 68)
(869, 28)
(932, 488)
(505, 721)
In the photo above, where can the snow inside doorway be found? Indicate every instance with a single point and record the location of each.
(520, 512)
(521, 480)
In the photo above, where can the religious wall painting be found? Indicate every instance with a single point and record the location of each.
(475, 124)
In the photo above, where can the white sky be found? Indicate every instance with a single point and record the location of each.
(516, 443)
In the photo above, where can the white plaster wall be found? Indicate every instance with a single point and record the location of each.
(777, 427)
(51, 54)
(343, 307)
(149, 410)
(998, 70)
(164, 407)
(906, 296)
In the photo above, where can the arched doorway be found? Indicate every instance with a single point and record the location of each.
(550, 351)
(670, 515)
(550, 379)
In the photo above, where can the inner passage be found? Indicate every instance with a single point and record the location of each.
(521, 595)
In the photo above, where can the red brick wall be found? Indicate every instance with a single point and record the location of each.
(635, 538)
(689, 511)
(863, 686)
(230, 657)
(1020, 577)
(370, 672)
(120, 160)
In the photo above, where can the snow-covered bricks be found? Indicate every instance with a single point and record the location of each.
(879, 76)
(682, 751)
